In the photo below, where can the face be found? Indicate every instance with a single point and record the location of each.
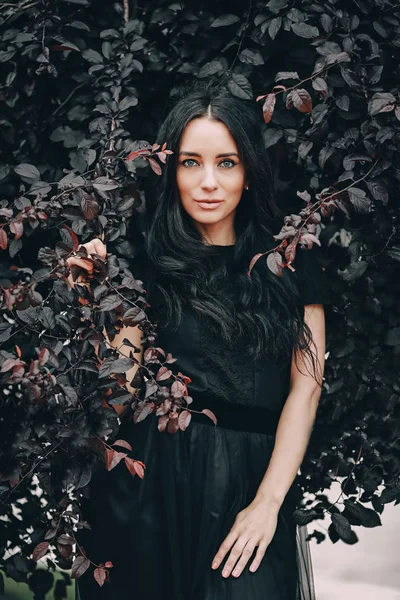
(210, 178)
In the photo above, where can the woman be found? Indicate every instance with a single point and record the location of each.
(212, 518)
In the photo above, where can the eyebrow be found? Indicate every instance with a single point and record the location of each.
(225, 154)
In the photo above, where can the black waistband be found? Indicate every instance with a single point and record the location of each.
(239, 417)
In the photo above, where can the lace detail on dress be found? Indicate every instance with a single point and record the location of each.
(229, 371)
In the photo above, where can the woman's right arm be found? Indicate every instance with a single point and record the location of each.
(133, 334)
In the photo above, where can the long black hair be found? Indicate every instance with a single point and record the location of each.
(265, 310)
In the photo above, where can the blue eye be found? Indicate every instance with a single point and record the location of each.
(190, 160)
(228, 160)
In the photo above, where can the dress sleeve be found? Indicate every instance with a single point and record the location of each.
(312, 282)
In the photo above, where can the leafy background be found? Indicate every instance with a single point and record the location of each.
(84, 85)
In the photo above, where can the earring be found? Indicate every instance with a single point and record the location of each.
(246, 187)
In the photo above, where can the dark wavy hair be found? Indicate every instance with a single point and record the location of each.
(265, 310)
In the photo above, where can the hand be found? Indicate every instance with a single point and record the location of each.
(95, 246)
(254, 526)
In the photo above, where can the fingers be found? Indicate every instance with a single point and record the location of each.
(224, 548)
(245, 557)
(262, 548)
(239, 556)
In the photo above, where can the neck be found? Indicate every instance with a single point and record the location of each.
(219, 234)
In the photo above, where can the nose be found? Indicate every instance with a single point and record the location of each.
(209, 181)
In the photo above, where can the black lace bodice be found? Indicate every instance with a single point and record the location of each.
(224, 374)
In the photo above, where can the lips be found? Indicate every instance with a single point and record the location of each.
(209, 204)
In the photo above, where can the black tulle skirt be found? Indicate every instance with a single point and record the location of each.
(161, 533)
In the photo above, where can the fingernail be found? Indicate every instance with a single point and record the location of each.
(214, 565)
(224, 573)
(235, 573)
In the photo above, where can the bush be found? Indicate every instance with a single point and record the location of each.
(82, 79)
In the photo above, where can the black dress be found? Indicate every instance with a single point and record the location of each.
(162, 532)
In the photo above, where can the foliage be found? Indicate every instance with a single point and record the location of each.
(80, 80)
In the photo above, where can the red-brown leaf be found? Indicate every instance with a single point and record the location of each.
(132, 156)
(173, 425)
(113, 458)
(3, 239)
(184, 419)
(17, 228)
(155, 166)
(254, 260)
(123, 444)
(40, 550)
(100, 575)
(139, 468)
(210, 414)
(300, 99)
(79, 566)
(268, 107)
(163, 373)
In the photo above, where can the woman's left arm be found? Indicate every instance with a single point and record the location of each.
(255, 525)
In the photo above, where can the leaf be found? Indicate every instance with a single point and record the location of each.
(394, 253)
(113, 458)
(225, 20)
(275, 263)
(304, 30)
(40, 550)
(92, 56)
(343, 102)
(359, 199)
(110, 302)
(127, 102)
(123, 444)
(272, 136)
(155, 166)
(163, 373)
(100, 575)
(343, 528)
(268, 107)
(303, 516)
(240, 86)
(381, 102)
(304, 148)
(274, 27)
(90, 207)
(135, 467)
(112, 365)
(354, 270)
(163, 422)
(3, 239)
(133, 316)
(173, 425)
(27, 171)
(283, 75)
(252, 57)
(105, 185)
(300, 99)
(210, 415)
(142, 410)
(79, 566)
(253, 261)
(211, 68)
(367, 516)
(184, 419)
(320, 85)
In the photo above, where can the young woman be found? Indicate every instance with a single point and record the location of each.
(212, 518)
